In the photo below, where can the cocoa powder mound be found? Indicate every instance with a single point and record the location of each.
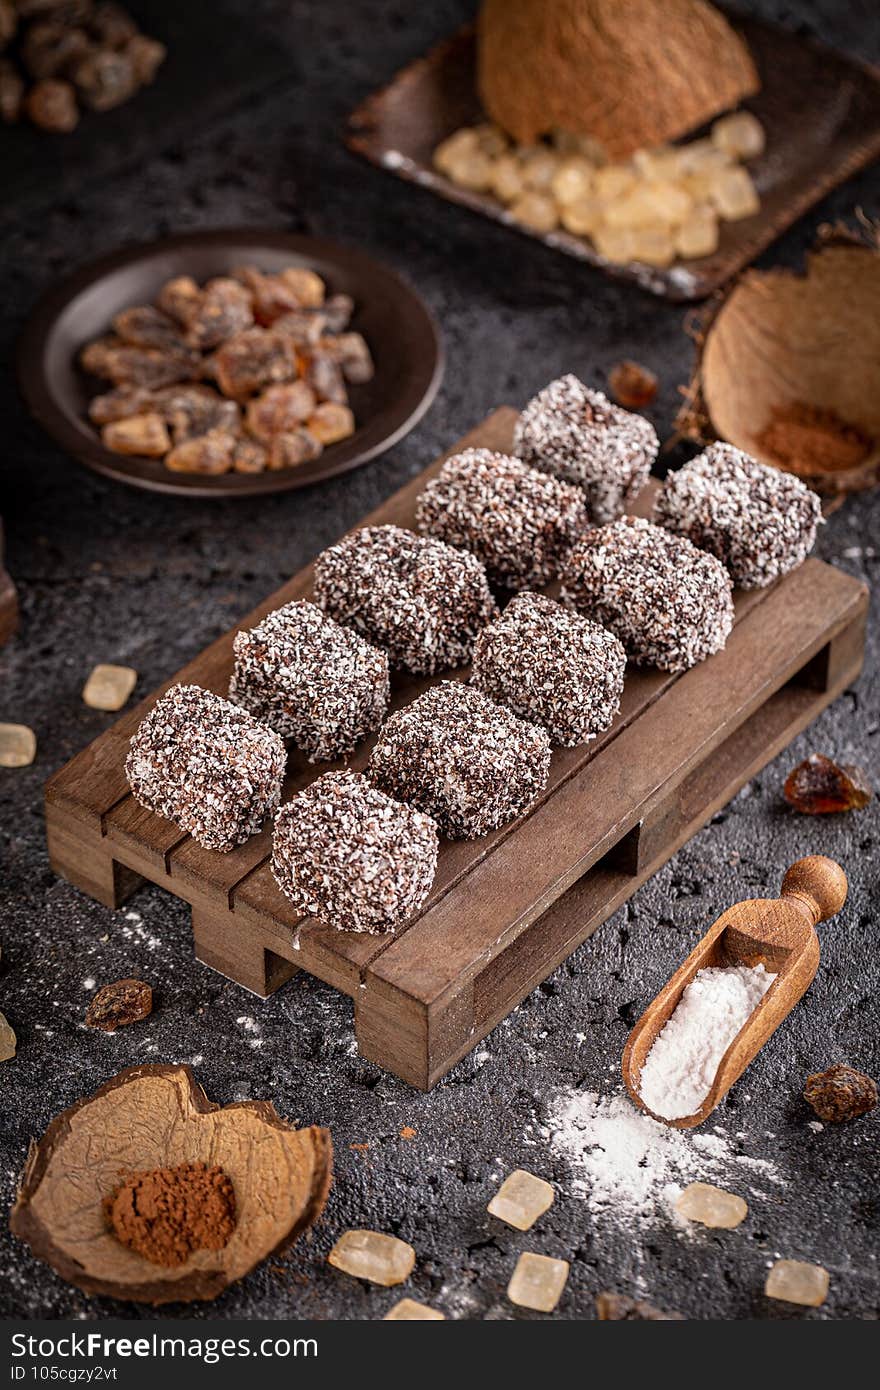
(168, 1213)
(809, 440)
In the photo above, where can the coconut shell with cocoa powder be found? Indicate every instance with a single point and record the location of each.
(629, 73)
(780, 340)
(152, 1117)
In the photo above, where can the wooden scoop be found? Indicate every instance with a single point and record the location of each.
(778, 933)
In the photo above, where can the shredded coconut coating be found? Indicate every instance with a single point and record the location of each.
(551, 666)
(421, 600)
(351, 856)
(670, 604)
(311, 680)
(518, 521)
(758, 521)
(470, 764)
(206, 765)
(580, 436)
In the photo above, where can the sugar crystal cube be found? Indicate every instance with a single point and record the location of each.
(18, 745)
(371, 1255)
(108, 687)
(521, 1199)
(614, 181)
(740, 134)
(698, 234)
(572, 181)
(537, 1282)
(535, 210)
(583, 216)
(614, 243)
(711, 1206)
(734, 194)
(653, 246)
(539, 167)
(796, 1281)
(408, 1310)
(507, 178)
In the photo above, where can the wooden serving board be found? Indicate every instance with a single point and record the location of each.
(506, 909)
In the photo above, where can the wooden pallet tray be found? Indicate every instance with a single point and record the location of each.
(506, 909)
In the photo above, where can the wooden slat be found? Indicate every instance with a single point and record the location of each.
(556, 843)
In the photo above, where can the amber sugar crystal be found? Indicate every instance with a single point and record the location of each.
(371, 1255)
(795, 1281)
(408, 1310)
(108, 687)
(632, 385)
(711, 1206)
(521, 1199)
(538, 1282)
(18, 745)
(819, 787)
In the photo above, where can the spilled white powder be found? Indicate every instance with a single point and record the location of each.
(682, 1065)
(631, 1167)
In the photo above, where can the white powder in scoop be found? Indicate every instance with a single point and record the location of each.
(631, 1168)
(682, 1065)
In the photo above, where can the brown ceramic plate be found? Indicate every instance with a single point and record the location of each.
(395, 322)
(821, 112)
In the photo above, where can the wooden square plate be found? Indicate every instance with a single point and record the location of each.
(821, 112)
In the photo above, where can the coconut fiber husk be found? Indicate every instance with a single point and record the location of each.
(156, 1117)
(629, 73)
(794, 359)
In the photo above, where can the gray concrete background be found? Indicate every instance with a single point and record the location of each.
(110, 574)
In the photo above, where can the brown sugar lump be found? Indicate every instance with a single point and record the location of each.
(468, 762)
(551, 666)
(311, 680)
(757, 520)
(578, 435)
(518, 521)
(353, 857)
(670, 604)
(420, 600)
(206, 765)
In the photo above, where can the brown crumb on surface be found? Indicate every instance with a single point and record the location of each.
(632, 385)
(118, 1004)
(840, 1093)
(408, 1132)
(359, 1148)
(168, 1213)
(809, 440)
(819, 787)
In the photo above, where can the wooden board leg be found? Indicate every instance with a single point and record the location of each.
(89, 865)
(838, 662)
(236, 953)
(416, 1043)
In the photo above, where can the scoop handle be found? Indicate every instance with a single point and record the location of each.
(819, 884)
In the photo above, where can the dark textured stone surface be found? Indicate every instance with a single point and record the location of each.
(107, 574)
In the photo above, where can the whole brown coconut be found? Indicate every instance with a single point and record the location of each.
(629, 73)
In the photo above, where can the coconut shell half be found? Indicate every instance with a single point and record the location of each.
(629, 73)
(782, 339)
(156, 1117)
